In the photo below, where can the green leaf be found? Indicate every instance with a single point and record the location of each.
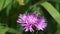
(4, 3)
(3, 29)
(8, 10)
(1, 4)
(26, 1)
(7, 2)
(52, 11)
(21, 2)
(16, 31)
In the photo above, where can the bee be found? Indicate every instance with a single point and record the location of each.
(36, 13)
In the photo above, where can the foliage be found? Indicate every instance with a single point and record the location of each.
(10, 9)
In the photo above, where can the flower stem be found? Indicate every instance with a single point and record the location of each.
(32, 33)
(36, 32)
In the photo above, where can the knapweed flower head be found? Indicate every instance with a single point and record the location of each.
(31, 22)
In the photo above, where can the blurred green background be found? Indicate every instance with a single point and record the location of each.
(10, 10)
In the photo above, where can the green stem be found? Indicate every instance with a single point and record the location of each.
(36, 32)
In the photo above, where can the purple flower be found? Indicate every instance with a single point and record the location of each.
(31, 22)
